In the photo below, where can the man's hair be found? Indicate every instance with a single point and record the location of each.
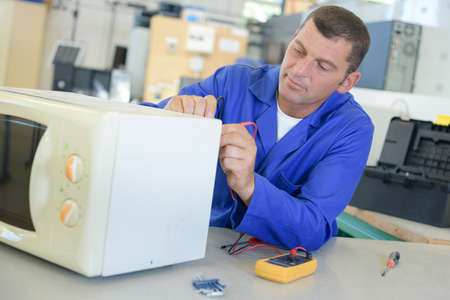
(338, 22)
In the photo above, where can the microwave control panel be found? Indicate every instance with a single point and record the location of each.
(70, 211)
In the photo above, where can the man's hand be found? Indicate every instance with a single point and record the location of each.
(237, 158)
(193, 105)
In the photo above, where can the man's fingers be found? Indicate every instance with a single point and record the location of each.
(230, 165)
(233, 152)
(200, 106)
(175, 104)
(238, 128)
(188, 104)
(236, 135)
(194, 105)
(235, 139)
(211, 106)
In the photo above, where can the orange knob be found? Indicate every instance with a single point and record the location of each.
(69, 214)
(74, 169)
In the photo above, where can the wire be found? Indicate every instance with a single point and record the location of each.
(254, 125)
(253, 242)
(257, 245)
(221, 107)
(245, 246)
(294, 250)
(236, 243)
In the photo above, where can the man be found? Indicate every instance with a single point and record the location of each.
(312, 140)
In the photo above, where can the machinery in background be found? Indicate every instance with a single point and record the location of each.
(69, 77)
(405, 57)
(278, 32)
(390, 63)
(125, 80)
(255, 46)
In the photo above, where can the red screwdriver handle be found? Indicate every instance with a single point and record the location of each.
(394, 257)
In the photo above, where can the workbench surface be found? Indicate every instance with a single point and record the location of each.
(347, 269)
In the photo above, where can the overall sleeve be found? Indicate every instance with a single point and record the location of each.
(306, 219)
(213, 85)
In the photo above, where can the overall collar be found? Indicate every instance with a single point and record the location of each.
(265, 88)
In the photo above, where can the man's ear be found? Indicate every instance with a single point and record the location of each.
(349, 82)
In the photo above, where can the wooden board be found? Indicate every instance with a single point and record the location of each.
(166, 66)
(403, 229)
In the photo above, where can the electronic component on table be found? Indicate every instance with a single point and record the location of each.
(209, 287)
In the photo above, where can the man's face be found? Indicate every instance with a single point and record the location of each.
(313, 68)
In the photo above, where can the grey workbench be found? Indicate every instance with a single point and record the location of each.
(347, 269)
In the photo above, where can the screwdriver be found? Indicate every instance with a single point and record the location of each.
(394, 257)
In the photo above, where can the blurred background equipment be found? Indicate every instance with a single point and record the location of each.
(186, 49)
(390, 63)
(138, 51)
(22, 36)
(193, 14)
(120, 86)
(278, 32)
(406, 57)
(69, 77)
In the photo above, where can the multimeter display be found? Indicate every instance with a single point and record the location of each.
(288, 260)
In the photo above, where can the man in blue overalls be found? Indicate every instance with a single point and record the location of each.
(297, 175)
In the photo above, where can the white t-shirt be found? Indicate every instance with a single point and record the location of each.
(284, 123)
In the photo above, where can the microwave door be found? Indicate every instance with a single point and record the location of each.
(4, 149)
(19, 139)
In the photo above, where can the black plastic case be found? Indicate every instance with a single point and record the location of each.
(412, 176)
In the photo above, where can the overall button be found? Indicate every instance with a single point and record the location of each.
(74, 169)
(69, 213)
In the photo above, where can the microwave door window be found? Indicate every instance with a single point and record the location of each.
(19, 139)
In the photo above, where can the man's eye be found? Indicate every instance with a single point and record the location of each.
(323, 67)
(299, 52)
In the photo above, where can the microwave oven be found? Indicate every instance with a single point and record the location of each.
(101, 187)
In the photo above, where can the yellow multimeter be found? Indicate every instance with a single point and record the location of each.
(286, 268)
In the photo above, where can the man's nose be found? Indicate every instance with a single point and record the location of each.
(303, 67)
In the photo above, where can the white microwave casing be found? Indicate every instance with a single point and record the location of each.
(144, 183)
